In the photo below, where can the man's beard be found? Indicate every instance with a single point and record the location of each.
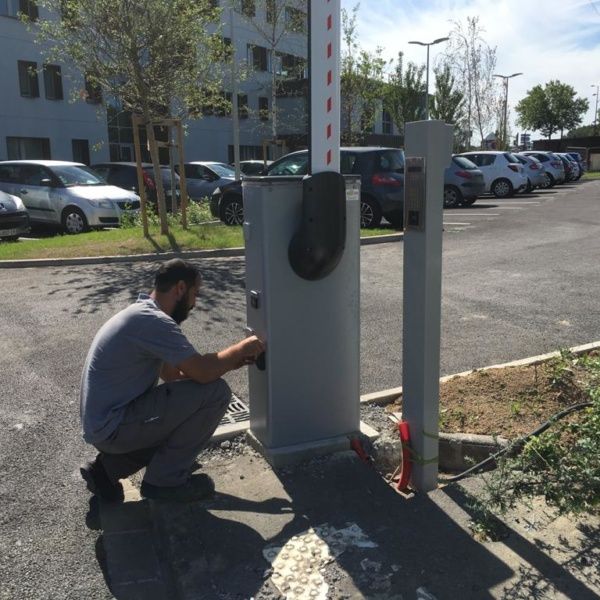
(181, 311)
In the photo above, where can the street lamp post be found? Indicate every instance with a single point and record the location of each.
(597, 86)
(506, 78)
(438, 41)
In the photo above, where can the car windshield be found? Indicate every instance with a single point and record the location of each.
(72, 175)
(464, 163)
(222, 170)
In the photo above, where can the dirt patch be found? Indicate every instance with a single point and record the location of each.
(513, 401)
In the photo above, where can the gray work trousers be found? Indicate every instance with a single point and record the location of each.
(164, 430)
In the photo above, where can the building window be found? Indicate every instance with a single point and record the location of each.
(248, 153)
(263, 108)
(258, 57)
(53, 82)
(23, 148)
(243, 106)
(93, 92)
(81, 151)
(15, 8)
(28, 79)
(292, 67)
(295, 20)
(248, 8)
(386, 122)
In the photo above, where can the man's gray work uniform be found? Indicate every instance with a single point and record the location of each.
(130, 418)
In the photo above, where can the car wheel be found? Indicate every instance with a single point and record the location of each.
(452, 196)
(502, 188)
(469, 201)
(370, 213)
(551, 180)
(529, 187)
(232, 211)
(74, 221)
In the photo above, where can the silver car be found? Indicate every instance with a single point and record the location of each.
(14, 219)
(535, 171)
(202, 178)
(555, 171)
(67, 194)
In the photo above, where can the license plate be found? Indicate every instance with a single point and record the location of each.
(9, 232)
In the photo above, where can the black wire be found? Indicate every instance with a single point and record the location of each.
(519, 442)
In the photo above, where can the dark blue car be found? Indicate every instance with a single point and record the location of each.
(382, 184)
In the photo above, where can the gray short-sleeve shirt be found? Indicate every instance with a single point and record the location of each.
(124, 361)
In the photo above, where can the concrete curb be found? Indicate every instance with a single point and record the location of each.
(391, 394)
(132, 258)
(457, 451)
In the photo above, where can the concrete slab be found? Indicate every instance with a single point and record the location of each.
(217, 549)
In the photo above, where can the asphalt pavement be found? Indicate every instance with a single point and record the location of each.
(520, 278)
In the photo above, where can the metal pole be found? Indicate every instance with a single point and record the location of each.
(505, 112)
(235, 108)
(427, 87)
(596, 110)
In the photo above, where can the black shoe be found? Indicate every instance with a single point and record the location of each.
(198, 487)
(99, 484)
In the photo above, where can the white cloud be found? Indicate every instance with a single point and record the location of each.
(554, 39)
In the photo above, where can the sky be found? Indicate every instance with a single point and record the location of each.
(552, 39)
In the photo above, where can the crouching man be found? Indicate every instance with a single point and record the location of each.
(133, 421)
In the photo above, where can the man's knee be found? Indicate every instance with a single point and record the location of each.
(222, 393)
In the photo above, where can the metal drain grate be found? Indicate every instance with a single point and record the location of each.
(237, 412)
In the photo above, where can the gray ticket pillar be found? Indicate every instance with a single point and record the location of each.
(306, 399)
(428, 148)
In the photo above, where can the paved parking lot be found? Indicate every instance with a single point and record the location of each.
(520, 278)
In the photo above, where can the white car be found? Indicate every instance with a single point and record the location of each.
(503, 173)
(67, 194)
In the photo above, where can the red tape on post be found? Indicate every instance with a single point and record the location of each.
(406, 467)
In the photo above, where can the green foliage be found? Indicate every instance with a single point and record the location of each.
(448, 102)
(155, 57)
(361, 84)
(562, 464)
(583, 131)
(404, 95)
(198, 213)
(554, 107)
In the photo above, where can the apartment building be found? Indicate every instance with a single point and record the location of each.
(49, 110)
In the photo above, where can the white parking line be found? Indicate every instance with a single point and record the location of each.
(521, 202)
(470, 214)
(456, 223)
(508, 208)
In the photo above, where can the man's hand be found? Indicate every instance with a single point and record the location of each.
(209, 367)
(248, 351)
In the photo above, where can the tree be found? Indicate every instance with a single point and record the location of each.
(275, 21)
(404, 95)
(361, 83)
(551, 108)
(584, 131)
(473, 62)
(156, 57)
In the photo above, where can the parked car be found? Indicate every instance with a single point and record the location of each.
(575, 170)
(555, 171)
(463, 182)
(14, 218)
(202, 177)
(568, 166)
(580, 161)
(254, 167)
(534, 171)
(382, 184)
(503, 173)
(65, 193)
(124, 175)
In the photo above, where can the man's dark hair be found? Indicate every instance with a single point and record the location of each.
(173, 271)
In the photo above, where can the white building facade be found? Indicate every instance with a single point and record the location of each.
(47, 112)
